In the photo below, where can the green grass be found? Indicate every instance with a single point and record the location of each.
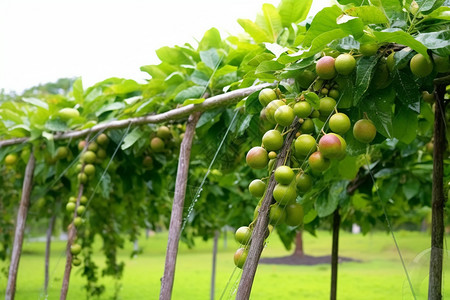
(379, 276)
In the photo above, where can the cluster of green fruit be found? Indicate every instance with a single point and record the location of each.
(161, 141)
(93, 153)
(309, 158)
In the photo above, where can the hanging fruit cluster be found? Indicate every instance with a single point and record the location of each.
(319, 141)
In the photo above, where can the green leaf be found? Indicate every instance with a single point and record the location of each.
(312, 99)
(77, 90)
(270, 21)
(293, 11)
(349, 167)
(407, 90)
(276, 49)
(346, 90)
(411, 188)
(388, 188)
(438, 41)
(193, 101)
(324, 21)
(256, 32)
(56, 125)
(252, 104)
(322, 40)
(368, 14)
(110, 107)
(172, 56)
(193, 92)
(427, 6)
(398, 36)
(378, 106)
(260, 58)
(210, 58)
(36, 102)
(365, 69)
(405, 125)
(211, 39)
(124, 87)
(200, 78)
(351, 25)
(442, 13)
(269, 66)
(132, 138)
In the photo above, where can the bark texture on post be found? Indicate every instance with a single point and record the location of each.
(438, 202)
(335, 254)
(176, 217)
(256, 246)
(214, 258)
(20, 227)
(48, 243)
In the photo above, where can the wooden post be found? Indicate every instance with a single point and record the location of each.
(51, 225)
(214, 258)
(251, 264)
(335, 254)
(438, 202)
(176, 217)
(20, 228)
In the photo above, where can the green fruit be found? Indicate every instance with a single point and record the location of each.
(420, 65)
(62, 152)
(266, 96)
(302, 109)
(343, 146)
(147, 162)
(364, 131)
(70, 207)
(324, 91)
(307, 126)
(318, 163)
(157, 144)
(257, 188)
(285, 194)
(83, 200)
(284, 175)
(326, 106)
(101, 153)
(325, 67)
(81, 209)
(339, 123)
(427, 97)
(303, 182)
(390, 62)
(240, 257)
(243, 235)
(81, 145)
(68, 113)
(345, 64)
(78, 221)
(284, 115)
(272, 140)
(76, 261)
(82, 178)
(272, 155)
(305, 145)
(330, 146)
(271, 108)
(89, 157)
(294, 214)
(102, 139)
(276, 214)
(89, 169)
(305, 79)
(11, 159)
(93, 146)
(72, 199)
(368, 49)
(75, 249)
(164, 133)
(257, 158)
(333, 93)
(271, 164)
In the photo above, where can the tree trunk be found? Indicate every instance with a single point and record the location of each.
(299, 244)
(225, 237)
(214, 257)
(259, 231)
(335, 254)
(51, 225)
(176, 217)
(70, 238)
(20, 228)
(437, 220)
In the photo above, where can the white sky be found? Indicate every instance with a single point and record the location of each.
(43, 40)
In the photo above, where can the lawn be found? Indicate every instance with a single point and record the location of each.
(379, 275)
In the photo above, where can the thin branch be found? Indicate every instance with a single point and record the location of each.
(177, 113)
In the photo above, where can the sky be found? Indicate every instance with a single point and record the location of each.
(41, 41)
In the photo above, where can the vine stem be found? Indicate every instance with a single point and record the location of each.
(174, 114)
(176, 217)
(258, 234)
(20, 227)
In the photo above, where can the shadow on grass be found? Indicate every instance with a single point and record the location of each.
(307, 260)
